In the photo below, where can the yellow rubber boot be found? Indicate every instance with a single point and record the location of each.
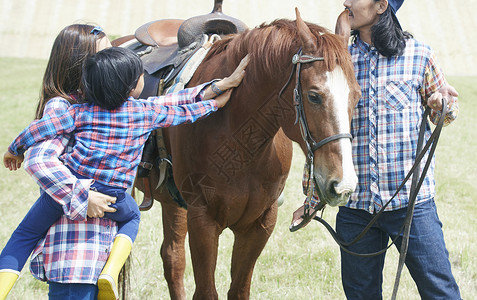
(7, 280)
(108, 279)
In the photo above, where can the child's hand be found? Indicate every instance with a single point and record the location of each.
(236, 77)
(224, 98)
(12, 162)
(217, 89)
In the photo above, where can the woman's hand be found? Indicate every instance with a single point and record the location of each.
(12, 162)
(98, 204)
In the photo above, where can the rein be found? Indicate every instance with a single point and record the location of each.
(416, 184)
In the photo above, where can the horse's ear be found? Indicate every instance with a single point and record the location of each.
(308, 40)
(343, 27)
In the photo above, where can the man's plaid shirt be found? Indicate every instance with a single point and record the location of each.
(385, 124)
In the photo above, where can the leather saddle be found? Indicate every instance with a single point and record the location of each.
(165, 46)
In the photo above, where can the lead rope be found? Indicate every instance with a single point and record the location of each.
(415, 186)
(432, 141)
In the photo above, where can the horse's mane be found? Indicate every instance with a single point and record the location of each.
(272, 45)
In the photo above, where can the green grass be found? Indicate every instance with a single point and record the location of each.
(297, 265)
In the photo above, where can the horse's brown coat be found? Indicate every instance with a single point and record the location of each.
(232, 166)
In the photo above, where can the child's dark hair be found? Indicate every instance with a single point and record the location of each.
(109, 76)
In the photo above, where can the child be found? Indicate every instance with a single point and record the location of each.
(110, 131)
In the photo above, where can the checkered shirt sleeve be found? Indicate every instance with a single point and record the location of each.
(53, 177)
(109, 143)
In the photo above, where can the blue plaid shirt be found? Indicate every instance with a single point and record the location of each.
(76, 247)
(386, 120)
(109, 143)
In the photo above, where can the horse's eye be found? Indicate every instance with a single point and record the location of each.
(315, 98)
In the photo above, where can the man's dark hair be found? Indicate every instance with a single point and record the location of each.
(387, 35)
(109, 76)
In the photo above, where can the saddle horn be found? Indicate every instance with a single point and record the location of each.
(217, 6)
(214, 22)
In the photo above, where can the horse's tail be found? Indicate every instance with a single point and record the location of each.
(124, 285)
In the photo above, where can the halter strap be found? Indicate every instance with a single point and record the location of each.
(331, 138)
(311, 144)
(303, 58)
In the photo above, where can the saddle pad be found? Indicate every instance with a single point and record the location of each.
(192, 64)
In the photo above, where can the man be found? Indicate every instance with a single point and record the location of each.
(398, 76)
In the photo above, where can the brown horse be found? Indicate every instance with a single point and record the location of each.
(232, 166)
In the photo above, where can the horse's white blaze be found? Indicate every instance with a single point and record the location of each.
(339, 88)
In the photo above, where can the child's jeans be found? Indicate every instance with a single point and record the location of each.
(78, 291)
(46, 211)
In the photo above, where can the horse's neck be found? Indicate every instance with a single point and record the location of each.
(264, 112)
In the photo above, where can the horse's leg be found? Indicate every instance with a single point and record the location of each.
(248, 245)
(174, 220)
(203, 243)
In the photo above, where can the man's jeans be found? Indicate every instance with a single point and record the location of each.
(427, 258)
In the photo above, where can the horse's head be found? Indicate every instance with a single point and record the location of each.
(325, 81)
(328, 89)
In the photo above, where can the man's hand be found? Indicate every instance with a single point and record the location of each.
(98, 204)
(435, 100)
(12, 162)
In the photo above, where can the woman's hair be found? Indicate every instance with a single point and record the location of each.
(62, 76)
(109, 76)
(387, 35)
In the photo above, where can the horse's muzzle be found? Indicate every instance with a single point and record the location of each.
(337, 193)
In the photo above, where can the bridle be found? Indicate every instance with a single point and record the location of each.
(311, 145)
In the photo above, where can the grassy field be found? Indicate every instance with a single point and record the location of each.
(297, 265)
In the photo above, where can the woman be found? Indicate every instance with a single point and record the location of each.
(111, 79)
(75, 249)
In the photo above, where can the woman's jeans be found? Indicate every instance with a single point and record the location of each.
(46, 211)
(72, 291)
(427, 258)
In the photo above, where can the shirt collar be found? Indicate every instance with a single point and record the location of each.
(364, 47)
